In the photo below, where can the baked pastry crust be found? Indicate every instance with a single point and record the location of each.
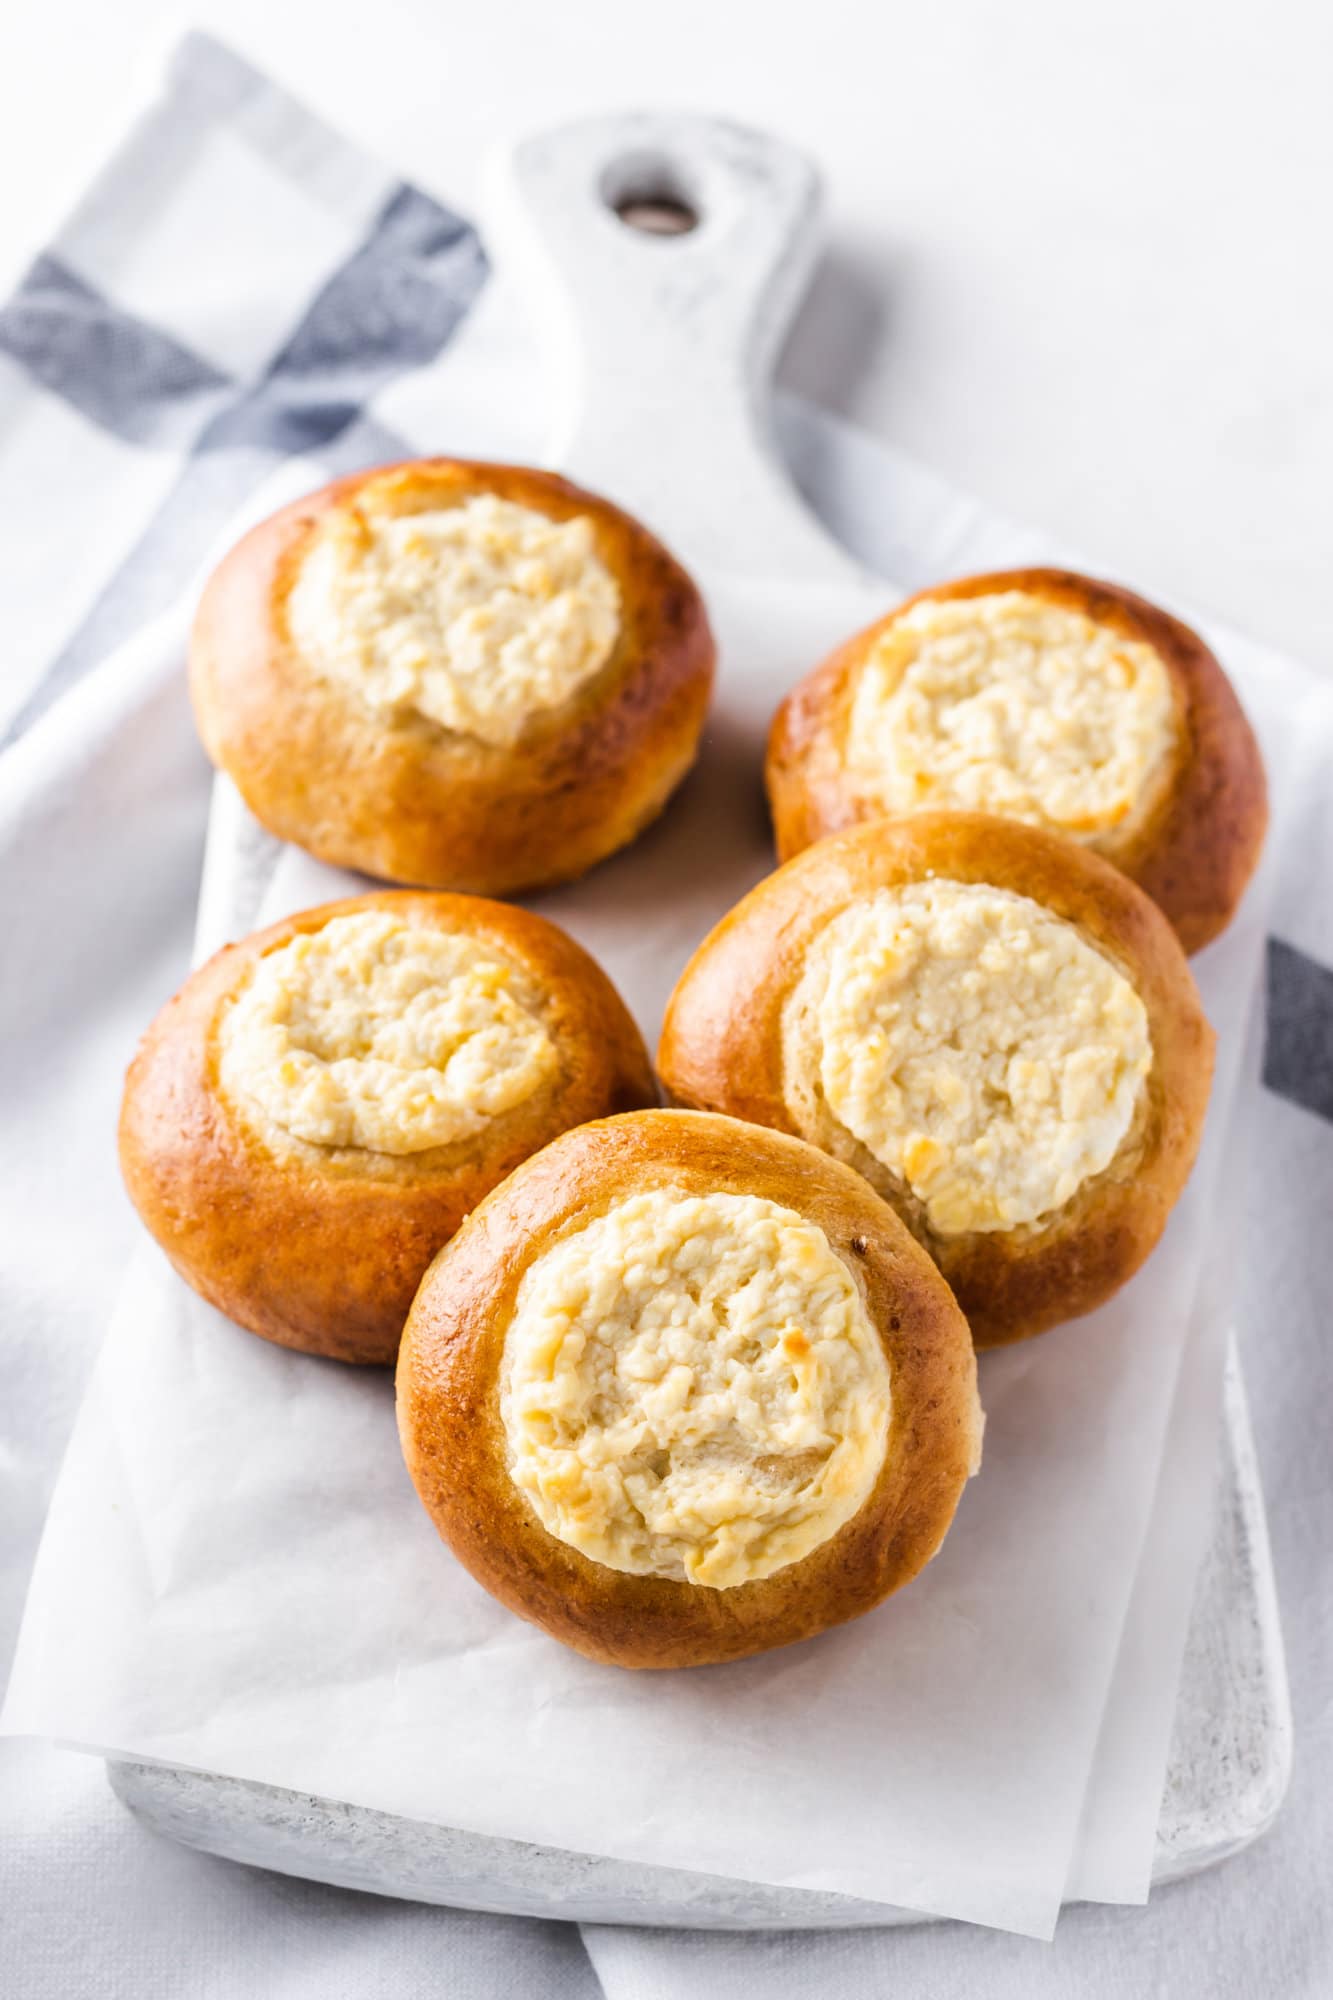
(1193, 851)
(404, 799)
(453, 1437)
(322, 1248)
(725, 1045)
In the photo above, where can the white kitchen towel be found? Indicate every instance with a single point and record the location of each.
(102, 811)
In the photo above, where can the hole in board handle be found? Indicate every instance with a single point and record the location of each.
(657, 214)
(650, 194)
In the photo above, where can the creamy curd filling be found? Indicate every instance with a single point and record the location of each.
(476, 616)
(692, 1388)
(981, 1049)
(384, 1034)
(1015, 705)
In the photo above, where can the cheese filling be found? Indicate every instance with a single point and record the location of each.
(1015, 705)
(980, 1048)
(476, 617)
(380, 1033)
(692, 1388)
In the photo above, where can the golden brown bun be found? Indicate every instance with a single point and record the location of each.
(454, 1441)
(1195, 849)
(723, 1048)
(322, 1248)
(406, 800)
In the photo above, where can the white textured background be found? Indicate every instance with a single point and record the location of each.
(1080, 249)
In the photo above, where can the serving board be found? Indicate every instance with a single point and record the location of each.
(662, 347)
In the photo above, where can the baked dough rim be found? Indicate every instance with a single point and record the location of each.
(1195, 848)
(723, 1047)
(400, 797)
(448, 1389)
(322, 1248)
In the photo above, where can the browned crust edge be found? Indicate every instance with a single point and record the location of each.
(721, 1047)
(326, 1256)
(454, 1443)
(406, 801)
(1195, 855)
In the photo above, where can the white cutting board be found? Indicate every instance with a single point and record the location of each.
(663, 347)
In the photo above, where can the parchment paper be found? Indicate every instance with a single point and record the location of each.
(269, 1601)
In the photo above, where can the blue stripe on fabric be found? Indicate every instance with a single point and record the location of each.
(1298, 1044)
(396, 300)
(123, 374)
(392, 306)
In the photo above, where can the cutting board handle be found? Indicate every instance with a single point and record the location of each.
(662, 345)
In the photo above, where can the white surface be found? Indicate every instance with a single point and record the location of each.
(1079, 254)
(188, 1926)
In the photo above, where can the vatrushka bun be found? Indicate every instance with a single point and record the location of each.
(1047, 698)
(458, 675)
(990, 1023)
(319, 1107)
(681, 1390)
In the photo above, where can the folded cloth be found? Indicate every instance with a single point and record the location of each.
(155, 368)
(235, 290)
